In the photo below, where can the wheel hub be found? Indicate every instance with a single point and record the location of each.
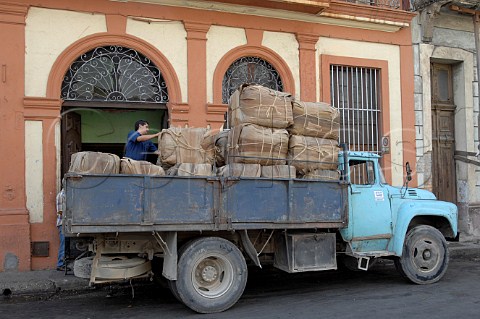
(427, 254)
(209, 273)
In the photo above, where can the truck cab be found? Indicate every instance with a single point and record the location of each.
(407, 223)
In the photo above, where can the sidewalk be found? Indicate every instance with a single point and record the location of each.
(49, 282)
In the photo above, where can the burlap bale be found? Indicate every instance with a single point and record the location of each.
(315, 119)
(279, 171)
(186, 145)
(258, 144)
(129, 166)
(221, 140)
(94, 163)
(323, 174)
(190, 169)
(309, 153)
(239, 170)
(259, 105)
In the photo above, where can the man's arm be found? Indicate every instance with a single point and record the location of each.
(146, 137)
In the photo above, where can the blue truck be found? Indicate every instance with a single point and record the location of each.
(203, 233)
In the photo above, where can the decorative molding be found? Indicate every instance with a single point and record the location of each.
(254, 37)
(307, 41)
(13, 13)
(216, 109)
(41, 108)
(116, 23)
(196, 30)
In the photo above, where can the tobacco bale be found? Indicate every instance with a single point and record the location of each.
(129, 166)
(316, 119)
(323, 174)
(278, 171)
(259, 105)
(254, 144)
(186, 145)
(221, 140)
(94, 163)
(190, 169)
(309, 153)
(239, 170)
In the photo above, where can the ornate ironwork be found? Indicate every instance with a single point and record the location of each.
(114, 74)
(250, 69)
(390, 4)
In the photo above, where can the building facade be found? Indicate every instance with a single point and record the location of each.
(445, 42)
(75, 75)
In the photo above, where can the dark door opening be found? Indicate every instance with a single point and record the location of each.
(104, 129)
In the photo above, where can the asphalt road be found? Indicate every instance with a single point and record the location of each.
(380, 292)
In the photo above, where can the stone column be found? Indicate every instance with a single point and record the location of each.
(197, 72)
(308, 66)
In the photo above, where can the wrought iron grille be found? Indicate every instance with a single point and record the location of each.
(114, 74)
(390, 4)
(355, 92)
(250, 69)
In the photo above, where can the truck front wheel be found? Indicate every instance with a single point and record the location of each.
(424, 258)
(212, 274)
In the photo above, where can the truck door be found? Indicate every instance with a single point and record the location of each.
(370, 212)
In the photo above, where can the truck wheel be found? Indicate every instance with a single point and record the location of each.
(172, 285)
(212, 274)
(424, 258)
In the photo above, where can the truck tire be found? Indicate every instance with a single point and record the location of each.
(424, 257)
(172, 285)
(212, 274)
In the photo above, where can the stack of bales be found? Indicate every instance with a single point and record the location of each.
(106, 163)
(187, 151)
(257, 143)
(271, 129)
(313, 146)
(94, 163)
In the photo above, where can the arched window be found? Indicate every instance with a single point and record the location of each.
(114, 74)
(250, 69)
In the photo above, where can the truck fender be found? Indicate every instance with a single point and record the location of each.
(168, 242)
(409, 210)
(249, 248)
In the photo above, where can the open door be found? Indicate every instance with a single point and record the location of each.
(71, 138)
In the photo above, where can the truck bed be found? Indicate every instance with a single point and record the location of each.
(138, 203)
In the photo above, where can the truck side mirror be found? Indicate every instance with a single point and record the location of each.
(409, 171)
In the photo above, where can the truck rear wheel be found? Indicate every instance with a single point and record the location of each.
(424, 258)
(212, 274)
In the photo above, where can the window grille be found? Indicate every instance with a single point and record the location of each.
(355, 92)
(114, 74)
(250, 69)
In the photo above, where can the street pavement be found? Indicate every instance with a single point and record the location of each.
(48, 282)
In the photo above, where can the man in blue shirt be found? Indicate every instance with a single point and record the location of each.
(139, 143)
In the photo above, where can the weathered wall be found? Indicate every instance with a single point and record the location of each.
(193, 47)
(452, 43)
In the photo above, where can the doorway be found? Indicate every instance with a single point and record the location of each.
(106, 90)
(443, 133)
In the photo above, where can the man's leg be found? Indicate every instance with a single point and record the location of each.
(61, 249)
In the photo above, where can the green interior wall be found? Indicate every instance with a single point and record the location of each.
(112, 126)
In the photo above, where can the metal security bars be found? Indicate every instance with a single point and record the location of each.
(114, 74)
(355, 92)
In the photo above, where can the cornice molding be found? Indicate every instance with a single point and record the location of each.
(41, 108)
(196, 30)
(13, 13)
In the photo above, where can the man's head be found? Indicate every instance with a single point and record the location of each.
(140, 123)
